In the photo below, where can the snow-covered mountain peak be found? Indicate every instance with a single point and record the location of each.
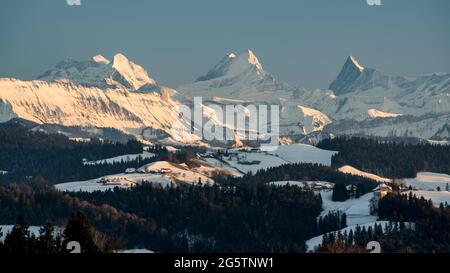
(100, 59)
(100, 72)
(134, 75)
(350, 72)
(233, 65)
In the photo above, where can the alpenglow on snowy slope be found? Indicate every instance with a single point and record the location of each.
(122, 95)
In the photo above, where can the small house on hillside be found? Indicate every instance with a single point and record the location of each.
(379, 192)
(382, 190)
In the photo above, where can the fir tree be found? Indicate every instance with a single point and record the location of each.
(340, 193)
(47, 242)
(343, 223)
(80, 230)
(18, 240)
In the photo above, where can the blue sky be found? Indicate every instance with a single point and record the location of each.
(304, 43)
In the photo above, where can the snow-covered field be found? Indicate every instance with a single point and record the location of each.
(120, 180)
(5, 229)
(122, 158)
(219, 164)
(34, 230)
(357, 210)
(301, 184)
(302, 153)
(354, 171)
(312, 243)
(246, 161)
(160, 172)
(260, 161)
(437, 197)
(426, 185)
(178, 172)
(428, 181)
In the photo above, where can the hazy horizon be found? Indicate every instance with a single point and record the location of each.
(303, 43)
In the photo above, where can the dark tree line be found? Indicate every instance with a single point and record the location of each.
(389, 159)
(240, 218)
(303, 172)
(52, 240)
(38, 204)
(245, 217)
(25, 153)
(340, 193)
(331, 222)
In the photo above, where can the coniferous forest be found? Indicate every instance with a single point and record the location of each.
(240, 218)
(237, 214)
(26, 153)
(388, 158)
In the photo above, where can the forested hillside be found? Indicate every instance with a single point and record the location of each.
(26, 153)
(388, 159)
(242, 218)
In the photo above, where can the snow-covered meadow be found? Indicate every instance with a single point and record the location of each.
(246, 161)
(123, 158)
(426, 185)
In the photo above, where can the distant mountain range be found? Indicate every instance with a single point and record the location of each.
(120, 94)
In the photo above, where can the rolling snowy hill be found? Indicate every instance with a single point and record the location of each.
(245, 161)
(426, 185)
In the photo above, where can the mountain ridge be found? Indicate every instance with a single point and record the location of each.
(120, 93)
(102, 73)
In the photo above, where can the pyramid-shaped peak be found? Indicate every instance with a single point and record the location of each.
(350, 72)
(234, 64)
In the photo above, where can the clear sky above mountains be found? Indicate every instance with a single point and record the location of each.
(304, 43)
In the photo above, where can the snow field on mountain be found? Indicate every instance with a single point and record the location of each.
(374, 113)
